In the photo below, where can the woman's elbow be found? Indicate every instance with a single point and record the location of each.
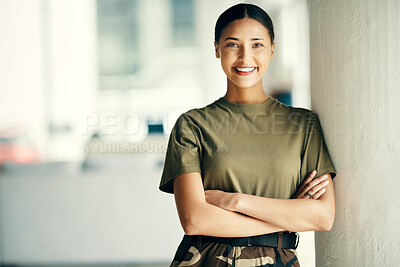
(191, 224)
(190, 228)
(326, 222)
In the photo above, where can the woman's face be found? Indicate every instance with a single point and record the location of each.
(245, 51)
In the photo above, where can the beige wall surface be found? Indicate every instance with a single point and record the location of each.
(355, 74)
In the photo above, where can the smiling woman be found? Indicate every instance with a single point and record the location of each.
(243, 206)
(245, 50)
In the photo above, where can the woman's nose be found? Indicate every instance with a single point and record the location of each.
(244, 53)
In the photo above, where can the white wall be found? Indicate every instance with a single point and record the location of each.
(48, 71)
(21, 68)
(72, 89)
(355, 70)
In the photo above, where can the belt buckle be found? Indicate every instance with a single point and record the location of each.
(297, 240)
(248, 242)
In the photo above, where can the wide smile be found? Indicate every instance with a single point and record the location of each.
(244, 71)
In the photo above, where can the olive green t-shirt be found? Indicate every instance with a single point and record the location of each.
(265, 149)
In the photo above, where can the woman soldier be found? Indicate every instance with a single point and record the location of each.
(243, 168)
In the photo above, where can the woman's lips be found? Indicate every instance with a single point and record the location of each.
(244, 71)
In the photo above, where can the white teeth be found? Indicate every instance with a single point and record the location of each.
(245, 69)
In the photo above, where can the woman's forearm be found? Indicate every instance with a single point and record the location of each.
(296, 215)
(201, 218)
(206, 219)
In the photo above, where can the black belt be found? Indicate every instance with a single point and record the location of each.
(286, 240)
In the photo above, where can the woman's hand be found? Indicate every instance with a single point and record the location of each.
(312, 188)
(220, 199)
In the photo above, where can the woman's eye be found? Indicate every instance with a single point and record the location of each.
(232, 45)
(258, 45)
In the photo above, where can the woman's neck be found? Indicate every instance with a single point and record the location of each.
(252, 95)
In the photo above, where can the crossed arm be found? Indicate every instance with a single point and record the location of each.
(217, 213)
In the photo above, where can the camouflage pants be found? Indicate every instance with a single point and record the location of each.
(196, 253)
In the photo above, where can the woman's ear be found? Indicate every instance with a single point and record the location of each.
(216, 49)
(271, 57)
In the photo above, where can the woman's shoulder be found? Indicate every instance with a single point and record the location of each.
(200, 113)
(292, 111)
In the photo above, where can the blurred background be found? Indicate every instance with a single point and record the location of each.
(89, 92)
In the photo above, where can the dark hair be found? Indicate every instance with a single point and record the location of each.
(241, 11)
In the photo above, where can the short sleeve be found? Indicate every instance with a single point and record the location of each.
(183, 153)
(315, 152)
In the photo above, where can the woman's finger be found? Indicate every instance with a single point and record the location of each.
(319, 193)
(318, 187)
(301, 191)
(309, 178)
(314, 186)
(316, 182)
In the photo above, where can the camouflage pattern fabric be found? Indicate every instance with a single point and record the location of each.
(195, 253)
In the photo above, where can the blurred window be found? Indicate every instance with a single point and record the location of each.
(183, 22)
(117, 37)
(139, 42)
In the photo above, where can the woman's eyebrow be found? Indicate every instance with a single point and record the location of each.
(237, 39)
(231, 38)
